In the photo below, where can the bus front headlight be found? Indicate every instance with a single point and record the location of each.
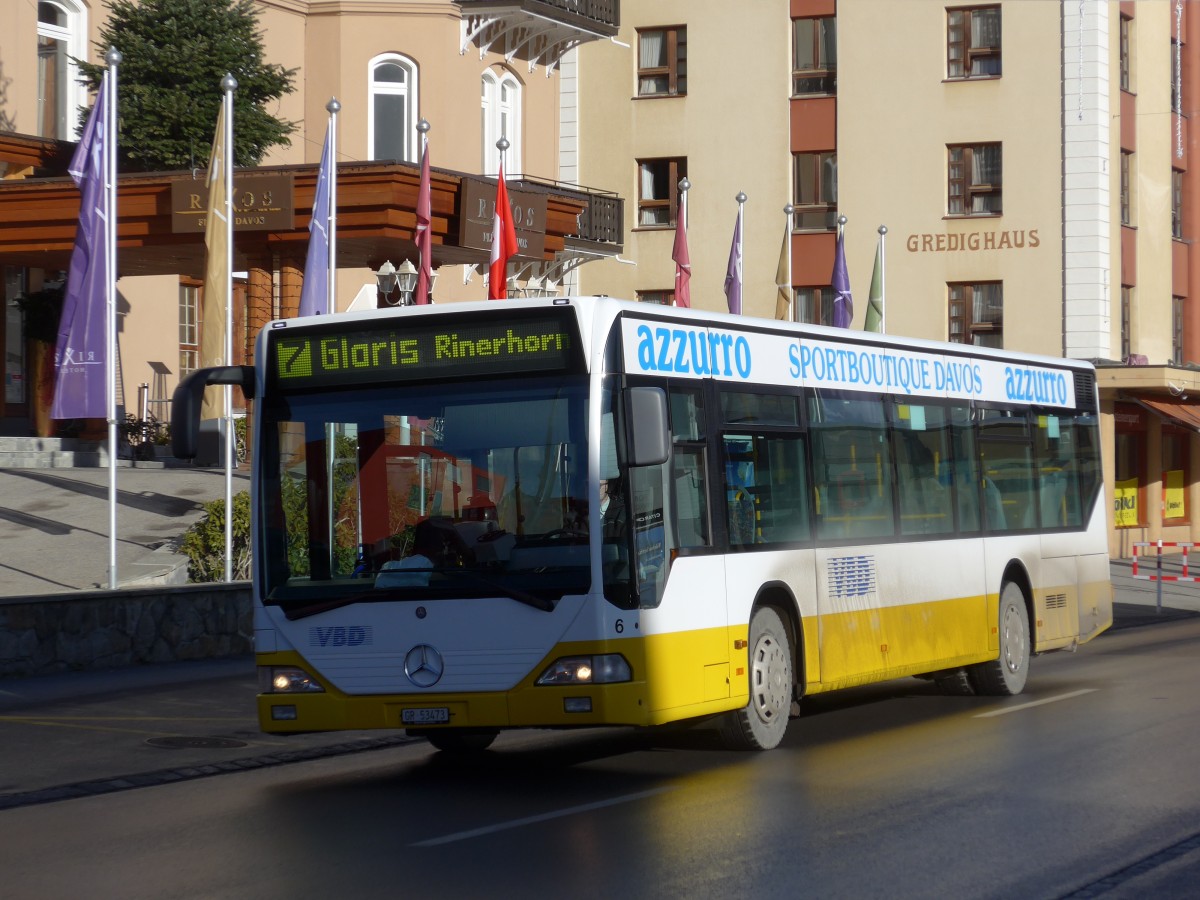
(606, 668)
(286, 680)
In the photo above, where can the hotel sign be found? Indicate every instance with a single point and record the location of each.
(477, 212)
(260, 203)
(973, 241)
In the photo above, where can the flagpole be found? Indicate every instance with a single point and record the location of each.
(788, 210)
(333, 107)
(501, 229)
(422, 234)
(883, 278)
(113, 58)
(228, 86)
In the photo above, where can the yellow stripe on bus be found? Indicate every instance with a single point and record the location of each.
(687, 674)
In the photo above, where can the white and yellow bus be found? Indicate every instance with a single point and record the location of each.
(591, 512)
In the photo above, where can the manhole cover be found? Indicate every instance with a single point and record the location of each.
(195, 743)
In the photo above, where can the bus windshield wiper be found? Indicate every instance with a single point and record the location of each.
(317, 607)
(510, 592)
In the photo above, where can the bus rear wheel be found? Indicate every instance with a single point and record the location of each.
(761, 723)
(1006, 675)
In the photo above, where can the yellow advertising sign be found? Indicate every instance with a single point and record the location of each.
(1125, 503)
(1173, 503)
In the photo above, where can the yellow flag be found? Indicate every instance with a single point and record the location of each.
(216, 274)
(783, 278)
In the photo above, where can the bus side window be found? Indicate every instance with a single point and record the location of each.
(852, 467)
(963, 471)
(688, 468)
(1060, 456)
(691, 508)
(1009, 477)
(765, 489)
(921, 450)
(741, 481)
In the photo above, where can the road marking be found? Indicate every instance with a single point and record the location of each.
(544, 817)
(1012, 709)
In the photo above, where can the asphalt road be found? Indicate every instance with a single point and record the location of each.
(1082, 787)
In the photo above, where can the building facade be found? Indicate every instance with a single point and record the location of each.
(1029, 162)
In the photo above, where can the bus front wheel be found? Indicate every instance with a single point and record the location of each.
(1005, 676)
(459, 740)
(761, 723)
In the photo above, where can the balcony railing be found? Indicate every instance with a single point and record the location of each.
(537, 31)
(606, 13)
(602, 220)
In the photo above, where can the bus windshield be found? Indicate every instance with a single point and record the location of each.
(463, 489)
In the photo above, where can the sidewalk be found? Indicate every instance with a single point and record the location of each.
(55, 525)
(1140, 601)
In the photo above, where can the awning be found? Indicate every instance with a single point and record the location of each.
(1183, 412)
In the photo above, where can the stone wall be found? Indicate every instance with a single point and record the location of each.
(108, 629)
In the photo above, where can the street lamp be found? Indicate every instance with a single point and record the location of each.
(385, 278)
(406, 279)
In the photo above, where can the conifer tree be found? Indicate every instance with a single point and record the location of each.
(174, 55)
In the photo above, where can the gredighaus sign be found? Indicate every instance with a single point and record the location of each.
(477, 212)
(974, 241)
(260, 203)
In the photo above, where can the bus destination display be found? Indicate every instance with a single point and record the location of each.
(409, 350)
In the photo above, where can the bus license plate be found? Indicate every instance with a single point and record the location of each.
(437, 715)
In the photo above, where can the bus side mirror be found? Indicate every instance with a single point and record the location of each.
(649, 437)
(189, 395)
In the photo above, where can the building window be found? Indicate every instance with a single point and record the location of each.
(1177, 330)
(1129, 481)
(189, 328)
(1126, 28)
(814, 56)
(973, 42)
(500, 99)
(1126, 188)
(60, 38)
(13, 323)
(1175, 85)
(814, 305)
(660, 298)
(662, 62)
(974, 180)
(977, 314)
(1126, 322)
(658, 191)
(816, 191)
(392, 113)
(1176, 204)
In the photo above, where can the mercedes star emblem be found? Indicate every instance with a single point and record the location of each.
(423, 665)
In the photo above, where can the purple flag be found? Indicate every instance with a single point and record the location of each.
(314, 295)
(81, 353)
(843, 303)
(733, 270)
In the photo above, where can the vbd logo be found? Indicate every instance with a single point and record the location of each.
(340, 636)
